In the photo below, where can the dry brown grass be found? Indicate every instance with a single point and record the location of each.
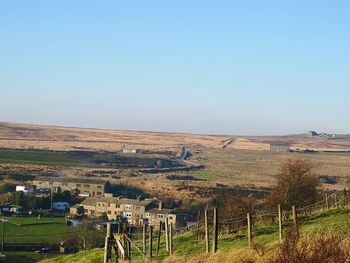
(231, 166)
(62, 138)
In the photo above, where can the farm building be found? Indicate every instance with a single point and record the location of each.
(279, 147)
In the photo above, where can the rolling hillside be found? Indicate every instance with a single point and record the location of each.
(24, 136)
(231, 249)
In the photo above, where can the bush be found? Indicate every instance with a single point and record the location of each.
(296, 185)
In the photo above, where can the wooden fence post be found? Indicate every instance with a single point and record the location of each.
(198, 218)
(129, 248)
(280, 222)
(159, 234)
(336, 200)
(327, 201)
(206, 231)
(171, 239)
(249, 229)
(215, 230)
(345, 197)
(295, 216)
(107, 254)
(144, 229)
(166, 234)
(150, 241)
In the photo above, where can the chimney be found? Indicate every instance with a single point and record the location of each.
(160, 205)
(138, 198)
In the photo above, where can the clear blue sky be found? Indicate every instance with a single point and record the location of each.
(219, 67)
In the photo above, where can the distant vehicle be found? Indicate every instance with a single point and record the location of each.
(24, 189)
(61, 206)
(42, 250)
(84, 194)
(15, 210)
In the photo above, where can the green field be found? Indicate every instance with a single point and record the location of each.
(31, 230)
(49, 158)
(229, 247)
(28, 257)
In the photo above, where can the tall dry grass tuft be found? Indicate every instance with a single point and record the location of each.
(328, 248)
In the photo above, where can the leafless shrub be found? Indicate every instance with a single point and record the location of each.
(258, 248)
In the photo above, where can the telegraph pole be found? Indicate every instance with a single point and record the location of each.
(3, 236)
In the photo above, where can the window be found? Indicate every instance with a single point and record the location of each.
(99, 193)
(128, 207)
(109, 212)
(87, 185)
(78, 185)
(40, 182)
(160, 216)
(99, 187)
(128, 215)
(148, 214)
(64, 184)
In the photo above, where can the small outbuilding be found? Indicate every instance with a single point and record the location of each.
(279, 147)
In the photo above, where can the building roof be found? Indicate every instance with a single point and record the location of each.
(164, 211)
(76, 206)
(70, 180)
(91, 201)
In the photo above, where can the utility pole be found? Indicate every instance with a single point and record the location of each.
(3, 236)
(51, 196)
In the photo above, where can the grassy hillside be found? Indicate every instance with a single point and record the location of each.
(231, 249)
(22, 230)
(44, 158)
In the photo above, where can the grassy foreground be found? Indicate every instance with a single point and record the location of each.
(230, 249)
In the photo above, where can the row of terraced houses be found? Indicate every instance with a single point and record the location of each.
(98, 202)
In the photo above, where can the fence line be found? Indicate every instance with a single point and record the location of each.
(122, 241)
